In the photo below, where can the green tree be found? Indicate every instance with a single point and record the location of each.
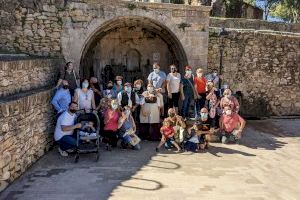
(288, 10)
(267, 5)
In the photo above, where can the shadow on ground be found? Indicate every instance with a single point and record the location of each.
(55, 177)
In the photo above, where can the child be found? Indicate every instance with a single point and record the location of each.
(192, 143)
(88, 129)
(167, 132)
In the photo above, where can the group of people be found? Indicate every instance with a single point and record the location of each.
(148, 110)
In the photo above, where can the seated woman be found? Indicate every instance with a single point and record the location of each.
(111, 118)
(127, 129)
(84, 97)
(167, 132)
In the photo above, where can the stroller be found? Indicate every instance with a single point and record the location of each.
(88, 143)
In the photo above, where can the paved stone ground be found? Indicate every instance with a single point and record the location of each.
(264, 166)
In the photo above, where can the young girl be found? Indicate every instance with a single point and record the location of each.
(167, 132)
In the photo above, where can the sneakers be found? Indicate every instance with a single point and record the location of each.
(62, 153)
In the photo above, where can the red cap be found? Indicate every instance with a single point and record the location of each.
(188, 67)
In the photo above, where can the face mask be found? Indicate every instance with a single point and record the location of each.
(188, 72)
(199, 74)
(128, 89)
(228, 112)
(119, 82)
(114, 106)
(156, 70)
(150, 89)
(204, 115)
(65, 87)
(172, 115)
(85, 85)
(227, 95)
(215, 74)
(138, 87)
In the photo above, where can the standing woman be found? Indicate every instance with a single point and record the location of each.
(230, 100)
(111, 118)
(68, 74)
(118, 87)
(138, 89)
(150, 114)
(173, 87)
(84, 97)
(95, 86)
(200, 87)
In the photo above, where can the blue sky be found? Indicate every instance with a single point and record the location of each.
(273, 19)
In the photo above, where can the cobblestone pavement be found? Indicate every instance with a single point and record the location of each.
(265, 165)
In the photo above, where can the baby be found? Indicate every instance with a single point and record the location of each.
(88, 129)
(167, 132)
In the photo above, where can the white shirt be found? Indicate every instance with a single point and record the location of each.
(174, 82)
(66, 119)
(85, 99)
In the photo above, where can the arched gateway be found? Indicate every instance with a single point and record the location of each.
(129, 40)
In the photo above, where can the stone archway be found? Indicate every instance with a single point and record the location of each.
(148, 39)
(184, 29)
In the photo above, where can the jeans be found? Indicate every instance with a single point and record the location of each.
(186, 106)
(67, 142)
(200, 103)
(126, 139)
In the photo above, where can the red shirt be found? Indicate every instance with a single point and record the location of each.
(201, 83)
(111, 118)
(168, 131)
(231, 122)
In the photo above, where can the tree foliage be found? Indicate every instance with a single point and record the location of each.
(267, 5)
(288, 10)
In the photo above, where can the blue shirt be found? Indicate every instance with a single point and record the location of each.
(157, 79)
(61, 100)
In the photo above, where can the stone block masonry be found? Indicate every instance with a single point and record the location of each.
(264, 66)
(23, 75)
(26, 127)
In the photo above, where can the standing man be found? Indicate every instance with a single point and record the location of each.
(65, 128)
(187, 91)
(62, 98)
(158, 79)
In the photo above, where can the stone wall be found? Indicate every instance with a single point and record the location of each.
(22, 75)
(26, 127)
(31, 26)
(241, 23)
(265, 67)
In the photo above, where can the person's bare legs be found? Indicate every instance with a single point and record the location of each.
(162, 142)
(176, 145)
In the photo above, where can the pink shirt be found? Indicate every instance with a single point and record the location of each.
(111, 118)
(231, 122)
